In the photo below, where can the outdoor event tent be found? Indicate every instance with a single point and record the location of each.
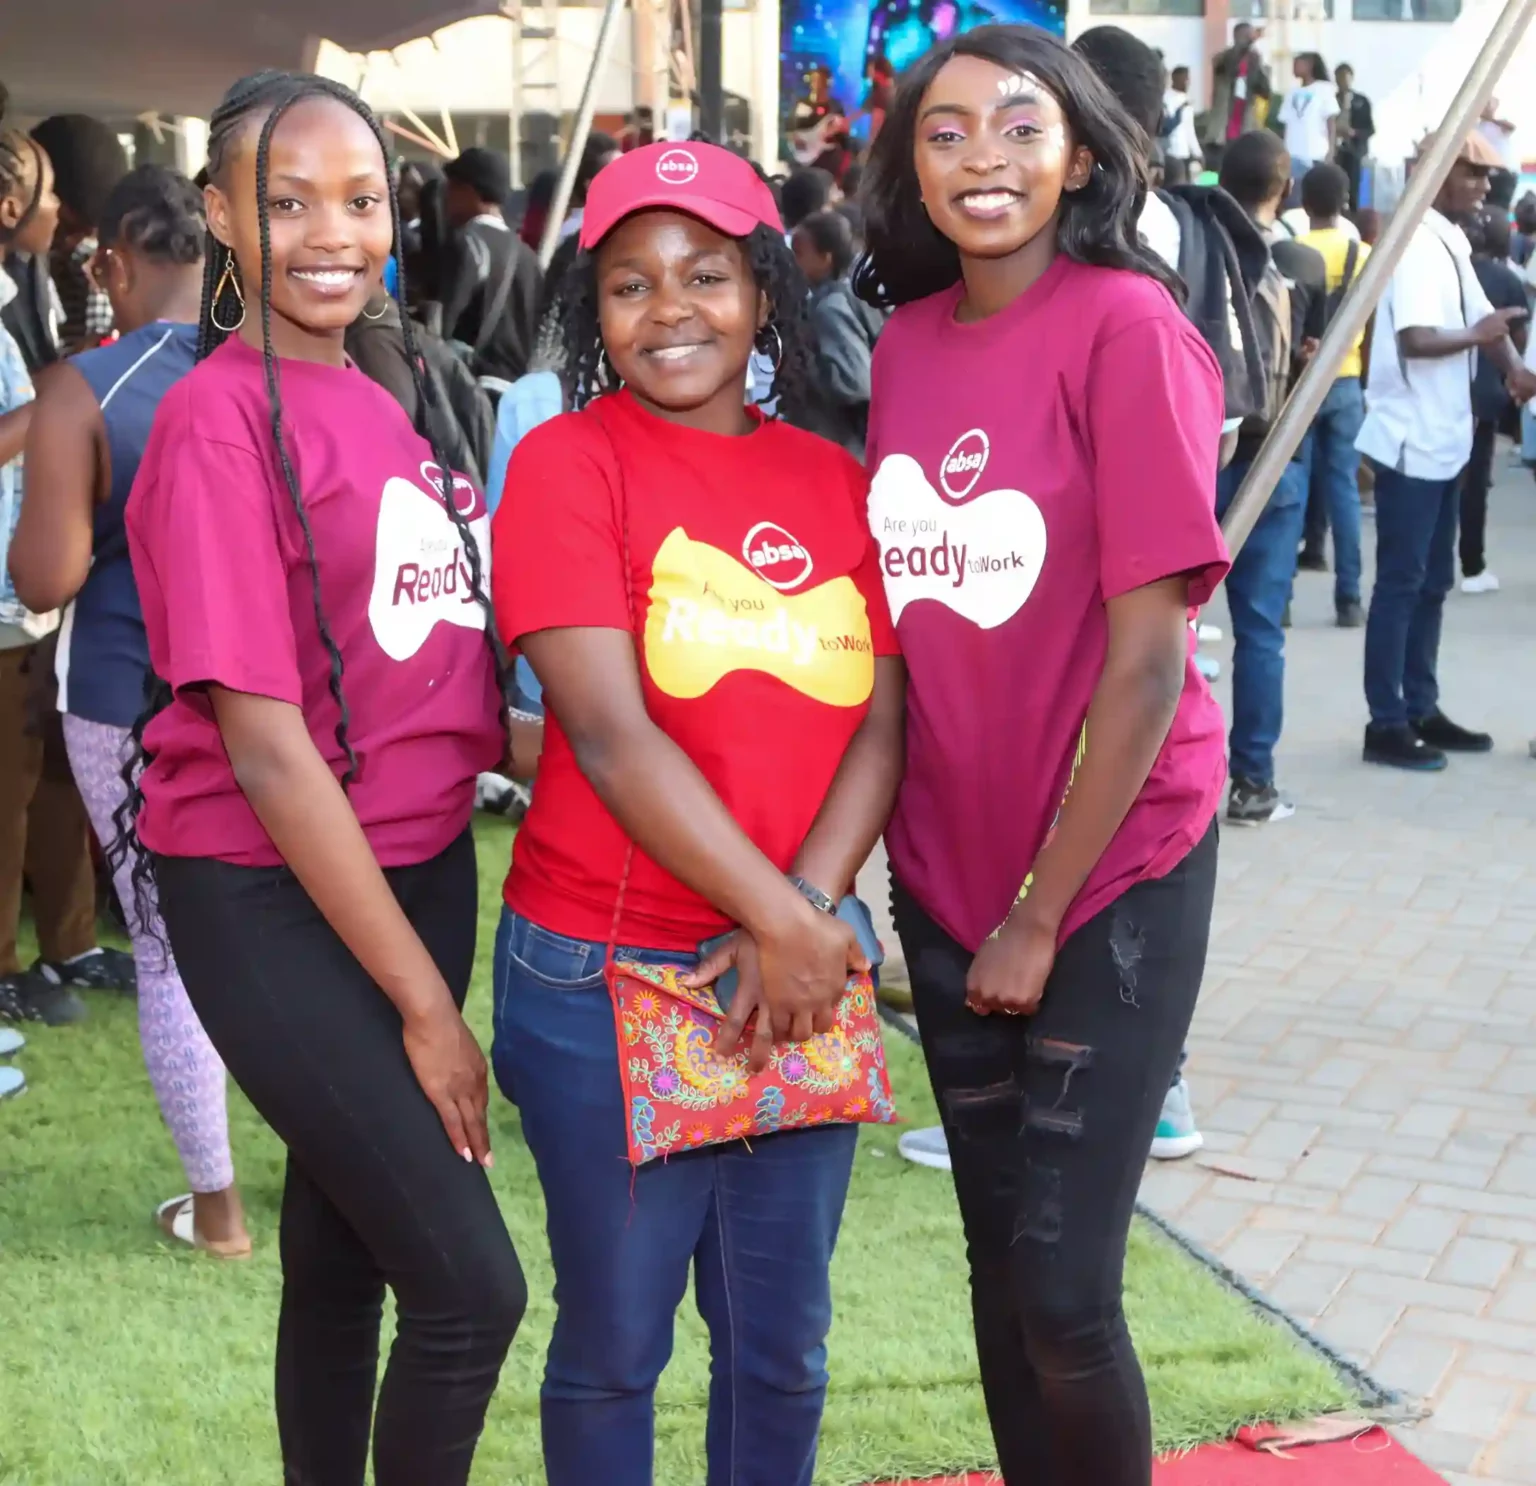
(129, 57)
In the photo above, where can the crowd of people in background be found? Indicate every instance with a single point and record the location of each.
(611, 399)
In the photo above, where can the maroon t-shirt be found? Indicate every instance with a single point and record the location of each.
(223, 574)
(1027, 469)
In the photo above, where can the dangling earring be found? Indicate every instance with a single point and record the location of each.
(778, 346)
(383, 310)
(228, 279)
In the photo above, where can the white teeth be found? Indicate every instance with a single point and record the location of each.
(674, 353)
(987, 201)
(329, 278)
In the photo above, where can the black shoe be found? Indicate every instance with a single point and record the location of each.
(1252, 804)
(30, 997)
(100, 970)
(1401, 748)
(1309, 561)
(1440, 732)
(1350, 614)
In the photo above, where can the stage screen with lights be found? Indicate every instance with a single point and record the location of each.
(842, 35)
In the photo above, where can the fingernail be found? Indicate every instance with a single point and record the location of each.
(468, 1155)
(490, 1160)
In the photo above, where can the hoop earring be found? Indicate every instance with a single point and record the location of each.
(778, 346)
(230, 279)
(383, 310)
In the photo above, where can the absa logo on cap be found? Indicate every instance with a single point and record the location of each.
(677, 167)
(776, 557)
(963, 465)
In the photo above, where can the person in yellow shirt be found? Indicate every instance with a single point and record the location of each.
(1333, 498)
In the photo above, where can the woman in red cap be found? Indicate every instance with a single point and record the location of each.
(730, 769)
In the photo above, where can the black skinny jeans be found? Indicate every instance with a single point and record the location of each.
(375, 1193)
(1475, 482)
(1049, 1120)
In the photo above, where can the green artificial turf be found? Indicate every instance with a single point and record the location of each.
(125, 1363)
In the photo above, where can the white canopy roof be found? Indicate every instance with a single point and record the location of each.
(128, 57)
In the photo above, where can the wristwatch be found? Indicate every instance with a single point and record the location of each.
(813, 895)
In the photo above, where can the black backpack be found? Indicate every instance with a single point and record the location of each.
(1226, 266)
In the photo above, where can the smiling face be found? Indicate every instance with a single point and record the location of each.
(1464, 191)
(679, 309)
(994, 157)
(330, 232)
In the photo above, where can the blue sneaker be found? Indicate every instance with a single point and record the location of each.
(12, 1081)
(1177, 1135)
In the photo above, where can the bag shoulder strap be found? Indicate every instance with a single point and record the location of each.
(1351, 260)
(493, 311)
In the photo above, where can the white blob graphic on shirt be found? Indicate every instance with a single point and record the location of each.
(420, 569)
(980, 559)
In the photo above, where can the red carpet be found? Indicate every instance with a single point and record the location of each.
(1376, 1460)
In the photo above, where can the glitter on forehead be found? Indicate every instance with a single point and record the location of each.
(1056, 136)
(1020, 82)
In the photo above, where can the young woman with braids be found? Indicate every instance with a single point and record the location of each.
(1043, 435)
(313, 588)
(89, 429)
(747, 748)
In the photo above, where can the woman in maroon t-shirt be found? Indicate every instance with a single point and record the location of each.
(315, 604)
(1043, 436)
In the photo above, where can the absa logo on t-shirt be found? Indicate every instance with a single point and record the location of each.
(776, 557)
(421, 572)
(962, 466)
(677, 167)
(979, 556)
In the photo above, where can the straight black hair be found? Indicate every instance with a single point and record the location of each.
(907, 258)
(1319, 67)
(274, 93)
(831, 233)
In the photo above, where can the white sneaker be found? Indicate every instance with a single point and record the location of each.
(1483, 582)
(1208, 666)
(12, 1081)
(1177, 1134)
(926, 1147)
(11, 1041)
(1208, 634)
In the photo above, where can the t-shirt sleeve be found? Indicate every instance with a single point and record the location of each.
(1328, 100)
(1417, 299)
(556, 549)
(1154, 406)
(867, 577)
(207, 524)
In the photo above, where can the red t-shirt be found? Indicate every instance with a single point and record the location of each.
(224, 578)
(1028, 468)
(756, 586)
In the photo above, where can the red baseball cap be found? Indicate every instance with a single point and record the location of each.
(703, 180)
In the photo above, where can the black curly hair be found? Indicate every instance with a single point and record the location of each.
(907, 258)
(786, 338)
(157, 211)
(271, 94)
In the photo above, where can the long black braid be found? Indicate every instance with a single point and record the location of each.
(222, 305)
(787, 338)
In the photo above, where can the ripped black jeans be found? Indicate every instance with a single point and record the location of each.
(1049, 1119)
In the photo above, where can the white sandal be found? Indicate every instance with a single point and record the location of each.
(175, 1220)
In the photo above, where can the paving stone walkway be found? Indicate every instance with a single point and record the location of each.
(1364, 1054)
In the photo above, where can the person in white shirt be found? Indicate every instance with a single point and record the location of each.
(1309, 114)
(1183, 159)
(1430, 323)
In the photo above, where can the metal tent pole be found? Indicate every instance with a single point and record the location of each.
(711, 85)
(607, 31)
(1359, 303)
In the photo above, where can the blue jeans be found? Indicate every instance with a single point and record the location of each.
(757, 1226)
(1415, 568)
(1334, 497)
(1258, 589)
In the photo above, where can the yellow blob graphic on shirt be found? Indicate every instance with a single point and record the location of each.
(710, 616)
